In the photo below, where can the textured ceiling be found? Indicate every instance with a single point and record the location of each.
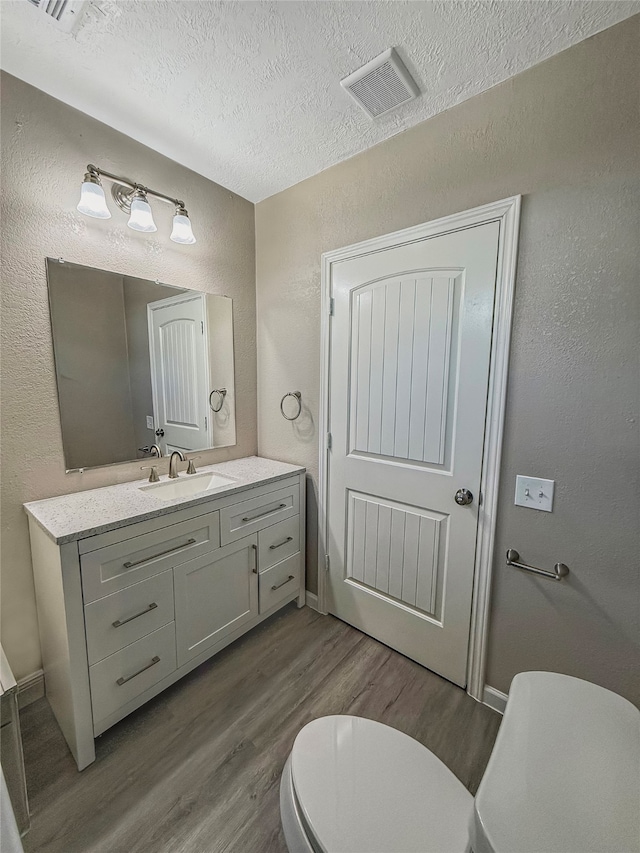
(248, 93)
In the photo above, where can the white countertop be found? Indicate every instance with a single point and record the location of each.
(81, 514)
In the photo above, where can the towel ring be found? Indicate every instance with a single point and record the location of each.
(298, 397)
(223, 393)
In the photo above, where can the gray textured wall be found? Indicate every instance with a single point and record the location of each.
(45, 148)
(565, 135)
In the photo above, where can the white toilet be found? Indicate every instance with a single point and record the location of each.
(563, 777)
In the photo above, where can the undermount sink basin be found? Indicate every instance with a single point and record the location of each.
(186, 485)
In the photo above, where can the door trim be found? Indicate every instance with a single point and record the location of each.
(507, 213)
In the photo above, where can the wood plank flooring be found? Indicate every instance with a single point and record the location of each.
(197, 770)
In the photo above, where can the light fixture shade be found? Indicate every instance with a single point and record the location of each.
(141, 218)
(92, 201)
(182, 232)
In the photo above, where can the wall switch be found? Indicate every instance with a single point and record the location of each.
(534, 493)
(149, 421)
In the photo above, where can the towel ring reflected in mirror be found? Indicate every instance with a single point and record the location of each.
(222, 393)
(298, 397)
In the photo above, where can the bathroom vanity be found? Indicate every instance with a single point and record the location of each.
(139, 583)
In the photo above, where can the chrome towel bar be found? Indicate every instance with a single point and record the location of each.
(560, 570)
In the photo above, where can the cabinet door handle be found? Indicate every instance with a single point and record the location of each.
(278, 585)
(119, 622)
(254, 548)
(154, 661)
(130, 565)
(260, 514)
(280, 544)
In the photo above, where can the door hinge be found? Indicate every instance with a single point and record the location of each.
(206, 424)
(202, 327)
(329, 441)
(327, 564)
(332, 306)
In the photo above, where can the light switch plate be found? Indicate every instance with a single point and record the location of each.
(149, 421)
(534, 493)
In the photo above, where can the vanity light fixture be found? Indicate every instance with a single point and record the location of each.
(132, 199)
(182, 232)
(141, 218)
(92, 201)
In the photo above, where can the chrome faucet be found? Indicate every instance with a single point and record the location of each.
(154, 450)
(175, 457)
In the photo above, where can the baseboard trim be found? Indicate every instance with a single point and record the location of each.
(311, 600)
(495, 699)
(30, 688)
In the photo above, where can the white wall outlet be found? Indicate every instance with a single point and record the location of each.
(149, 421)
(534, 493)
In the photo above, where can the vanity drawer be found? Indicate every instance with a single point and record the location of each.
(278, 542)
(279, 582)
(123, 564)
(119, 619)
(248, 517)
(121, 677)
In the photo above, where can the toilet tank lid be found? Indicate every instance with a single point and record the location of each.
(564, 774)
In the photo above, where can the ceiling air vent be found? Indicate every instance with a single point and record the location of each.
(381, 85)
(66, 13)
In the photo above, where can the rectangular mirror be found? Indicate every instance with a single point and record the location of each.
(138, 363)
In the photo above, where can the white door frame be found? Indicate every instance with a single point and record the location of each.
(507, 213)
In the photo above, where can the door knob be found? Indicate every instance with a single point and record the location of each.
(463, 497)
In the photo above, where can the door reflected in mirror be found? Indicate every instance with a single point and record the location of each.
(139, 363)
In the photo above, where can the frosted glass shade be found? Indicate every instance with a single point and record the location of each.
(182, 232)
(92, 201)
(141, 218)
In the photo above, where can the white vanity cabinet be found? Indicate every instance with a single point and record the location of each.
(128, 611)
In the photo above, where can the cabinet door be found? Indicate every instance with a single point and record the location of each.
(215, 595)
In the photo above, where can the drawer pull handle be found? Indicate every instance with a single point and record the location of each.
(154, 661)
(260, 514)
(119, 622)
(130, 565)
(280, 544)
(278, 585)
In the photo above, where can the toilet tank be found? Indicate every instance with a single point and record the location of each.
(564, 774)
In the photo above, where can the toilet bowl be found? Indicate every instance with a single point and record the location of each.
(563, 777)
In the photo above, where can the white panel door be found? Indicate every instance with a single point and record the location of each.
(409, 367)
(179, 372)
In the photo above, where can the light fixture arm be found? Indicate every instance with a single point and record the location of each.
(101, 173)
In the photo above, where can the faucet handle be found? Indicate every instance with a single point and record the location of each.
(191, 468)
(153, 476)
